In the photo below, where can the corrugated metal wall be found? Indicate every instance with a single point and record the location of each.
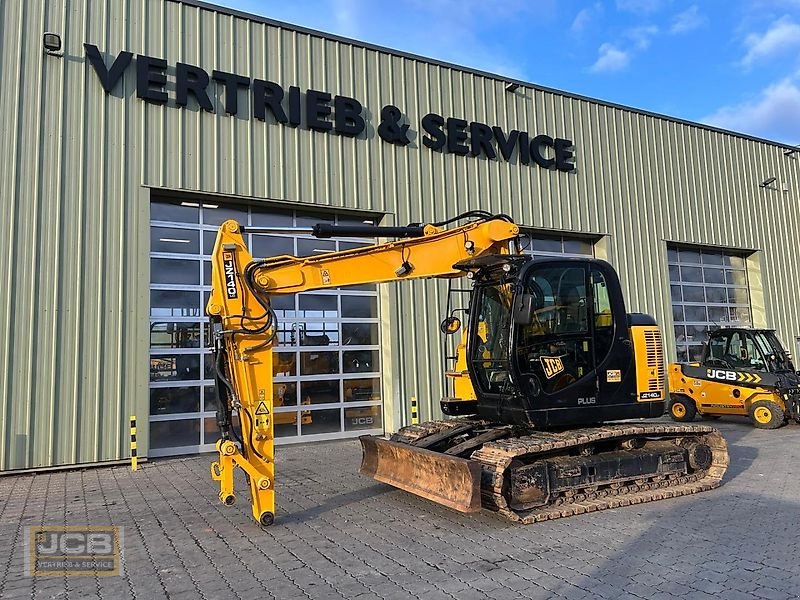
(78, 165)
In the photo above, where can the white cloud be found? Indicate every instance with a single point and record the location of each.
(774, 114)
(781, 37)
(610, 59)
(641, 6)
(581, 20)
(585, 17)
(642, 36)
(688, 20)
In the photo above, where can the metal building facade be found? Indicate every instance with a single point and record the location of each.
(80, 166)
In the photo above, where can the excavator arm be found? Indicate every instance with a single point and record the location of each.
(245, 326)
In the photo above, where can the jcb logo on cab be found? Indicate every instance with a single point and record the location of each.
(552, 365)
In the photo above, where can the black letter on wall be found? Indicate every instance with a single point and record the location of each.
(294, 106)
(108, 77)
(347, 116)
(432, 124)
(456, 136)
(506, 144)
(151, 72)
(481, 139)
(317, 109)
(564, 155)
(536, 151)
(524, 148)
(232, 83)
(267, 94)
(194, 80)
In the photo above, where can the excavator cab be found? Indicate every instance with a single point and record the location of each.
(550, 344)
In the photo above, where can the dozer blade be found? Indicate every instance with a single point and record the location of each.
(448, 480)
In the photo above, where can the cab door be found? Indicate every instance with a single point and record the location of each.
(748, 355)
(554, 352)
(574, 358)
(613, 350)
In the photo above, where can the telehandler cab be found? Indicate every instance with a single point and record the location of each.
(743, 372)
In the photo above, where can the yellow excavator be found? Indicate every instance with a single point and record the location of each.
(548, 361)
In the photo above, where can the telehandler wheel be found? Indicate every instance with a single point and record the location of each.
(682, 408)
(766, 414)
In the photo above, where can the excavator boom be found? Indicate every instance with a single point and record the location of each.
(245, 327)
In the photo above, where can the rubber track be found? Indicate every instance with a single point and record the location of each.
(496, 457)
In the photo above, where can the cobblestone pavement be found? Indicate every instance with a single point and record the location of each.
(339, 535)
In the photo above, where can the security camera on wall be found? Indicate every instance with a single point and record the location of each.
(768, 182)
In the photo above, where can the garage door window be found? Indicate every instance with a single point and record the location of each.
(327, 367)
(709, 289)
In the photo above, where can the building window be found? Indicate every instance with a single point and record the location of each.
(327, 365)
(709, 289)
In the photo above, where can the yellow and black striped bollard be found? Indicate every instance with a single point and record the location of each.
(414, 411)
(134, 457)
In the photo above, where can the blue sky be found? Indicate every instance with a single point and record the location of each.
(734, 64)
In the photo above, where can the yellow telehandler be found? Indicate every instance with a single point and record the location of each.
(742, 371)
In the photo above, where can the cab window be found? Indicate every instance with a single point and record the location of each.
(743, 352)
(492, 326)
(561, 301)
(603, 319)
(555, 349)
(718, 347)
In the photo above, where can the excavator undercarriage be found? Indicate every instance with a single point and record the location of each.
(532, 476)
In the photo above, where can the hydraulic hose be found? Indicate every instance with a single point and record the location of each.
(243, 410)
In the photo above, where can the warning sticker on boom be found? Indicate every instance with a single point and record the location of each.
(262, 409)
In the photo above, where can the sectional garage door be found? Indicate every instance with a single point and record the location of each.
(709, 289)
(327, 373)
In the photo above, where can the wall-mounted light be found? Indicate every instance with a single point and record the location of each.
(52, 43)
(767, 181)
(512, 87)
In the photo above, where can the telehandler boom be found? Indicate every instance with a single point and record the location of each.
(549, 354)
